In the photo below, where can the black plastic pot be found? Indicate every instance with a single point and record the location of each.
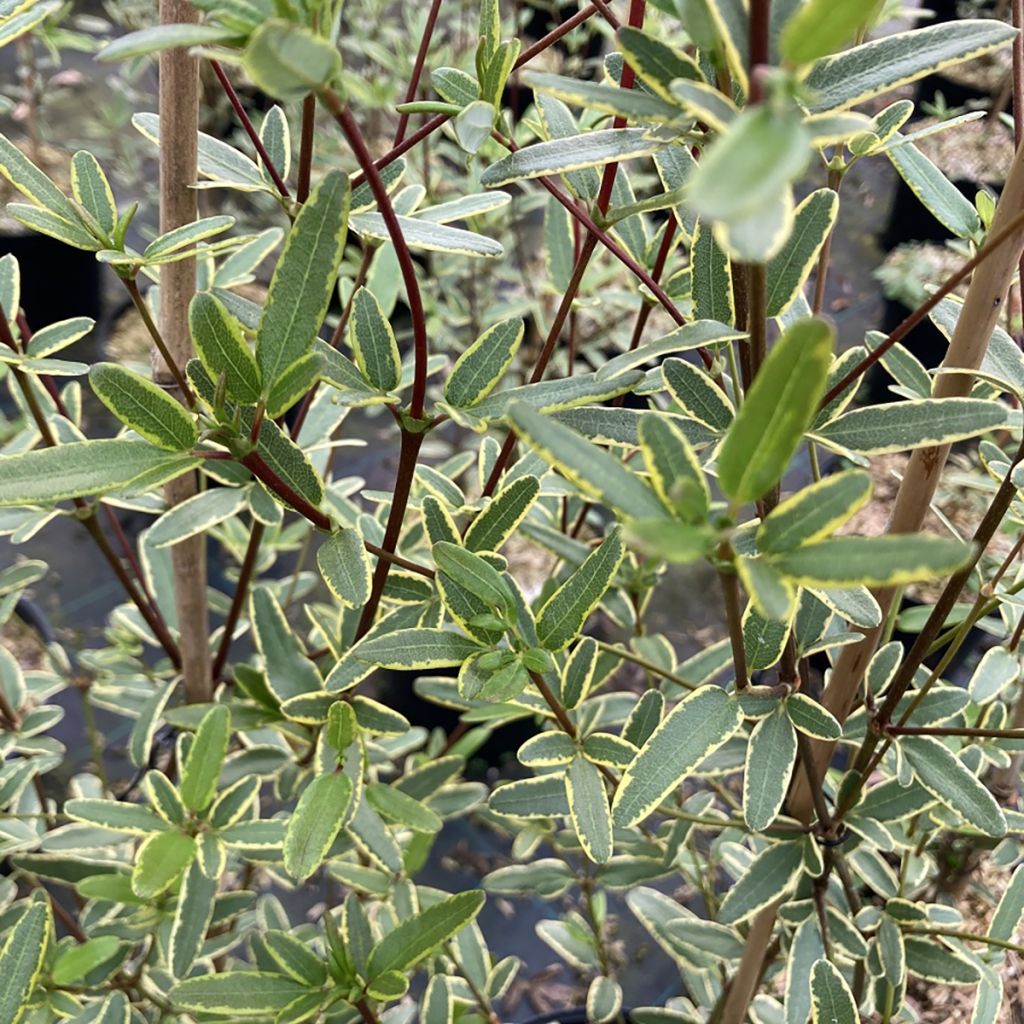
(57, 281)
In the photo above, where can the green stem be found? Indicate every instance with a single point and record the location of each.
(649, 666)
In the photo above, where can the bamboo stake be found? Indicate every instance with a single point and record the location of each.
(179, 104)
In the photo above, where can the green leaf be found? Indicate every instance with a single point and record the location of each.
(860, 72)
(74, 962)
(163, 37)
(943, 200)
(564, 614)
(693, 730)
(304, 278)
(952, 783)
(813, 220)
(656, 63)
(771, 755)
(481, 367)
(711, 281)
(821, 27)
(588, 809)
(810, 718)
(55, 337)
(873, 561)
(288, 61)
(23, 18)
(394, 805)
(750, 165)
(141, 405)
(32, 183)
(221, 349)
(593, 470)
(416, 936)
(769, 878)
(682, 339)
(815, 512)
(192, 915)
(116, 815)
(185, 237)
(373, 342)
(196, 515)
(21, 960)
(315, 824)
(475, 574)
(705, 103)
(698, 394)
(771, 595)
(927, 959)
(901, 426)
(832, 1001)
(345, 567)
(83, 468)
(48, 223)
(559, 156)
(776, 411)
(160, 861)
(206, 758)
(1008, 913)
(675, 473)
(499, 520)
(246, 992)
(289, 672)
(420, 233)
(92, 191)
(634, 104)
(287, 460)
(997, 669)
(417, 649)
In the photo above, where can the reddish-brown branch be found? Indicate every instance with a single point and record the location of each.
(350, 130)
(254, 136)
(417, 71)
(238, 599)
(306, 148)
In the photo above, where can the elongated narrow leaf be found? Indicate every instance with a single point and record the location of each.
(769, 878)
(930, 960)
(777, 410)
(480, 368)
(813, 220)
(711, 280)
(475, 574)
(141, 405)
(32, 183)
(771, 755)
(996, 670)
(196, 514)
(588, 809)
(316, 822)
(373, 342)
(192, 916)
(901, 426)
(693, 730)
(634, 104)
(571, 154)
(683, 339)
(873, 561)
(876, 67)
(160, 861)
(304, 278)
(415, 937)
(675, 473)
(163, 37)
(237, 992)
(952, 783)
(499, 520)
(562, 618)
(593, 470)
(655, 62)
(83, 468)
(92, 190)
(815, 512)
(832, 1001)
(423, 234)
(417, 648)
(221, 349)
(698, 394)
(205, 758)
(21, 960)
(345, 567)
(54, 337)
(289, 672)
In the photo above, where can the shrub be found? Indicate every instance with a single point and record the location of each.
(535, 417)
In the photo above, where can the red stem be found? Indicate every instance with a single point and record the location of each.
(250, 130)
(417, 71)
(306, 148)
(238, 600)
(350, 129)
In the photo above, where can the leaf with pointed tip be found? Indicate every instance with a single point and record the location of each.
(84, 468)
(417, 649)
(345, 567)
(776, 411)
(499, 520)
(315, 823)
(770, 877)
(588, 809)
(815, 512)
(771, 755)
(160, 862)
(304, 278)
(693, 730)
(632, 104)
(832, 1001)
(221, 349)
(21, 959)
(373, 342)
(813, 220)
(596, 472)
(480, 368)
(423, 234)
(205, 758)
(92, 191)
(237, 992)
(564, 614)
